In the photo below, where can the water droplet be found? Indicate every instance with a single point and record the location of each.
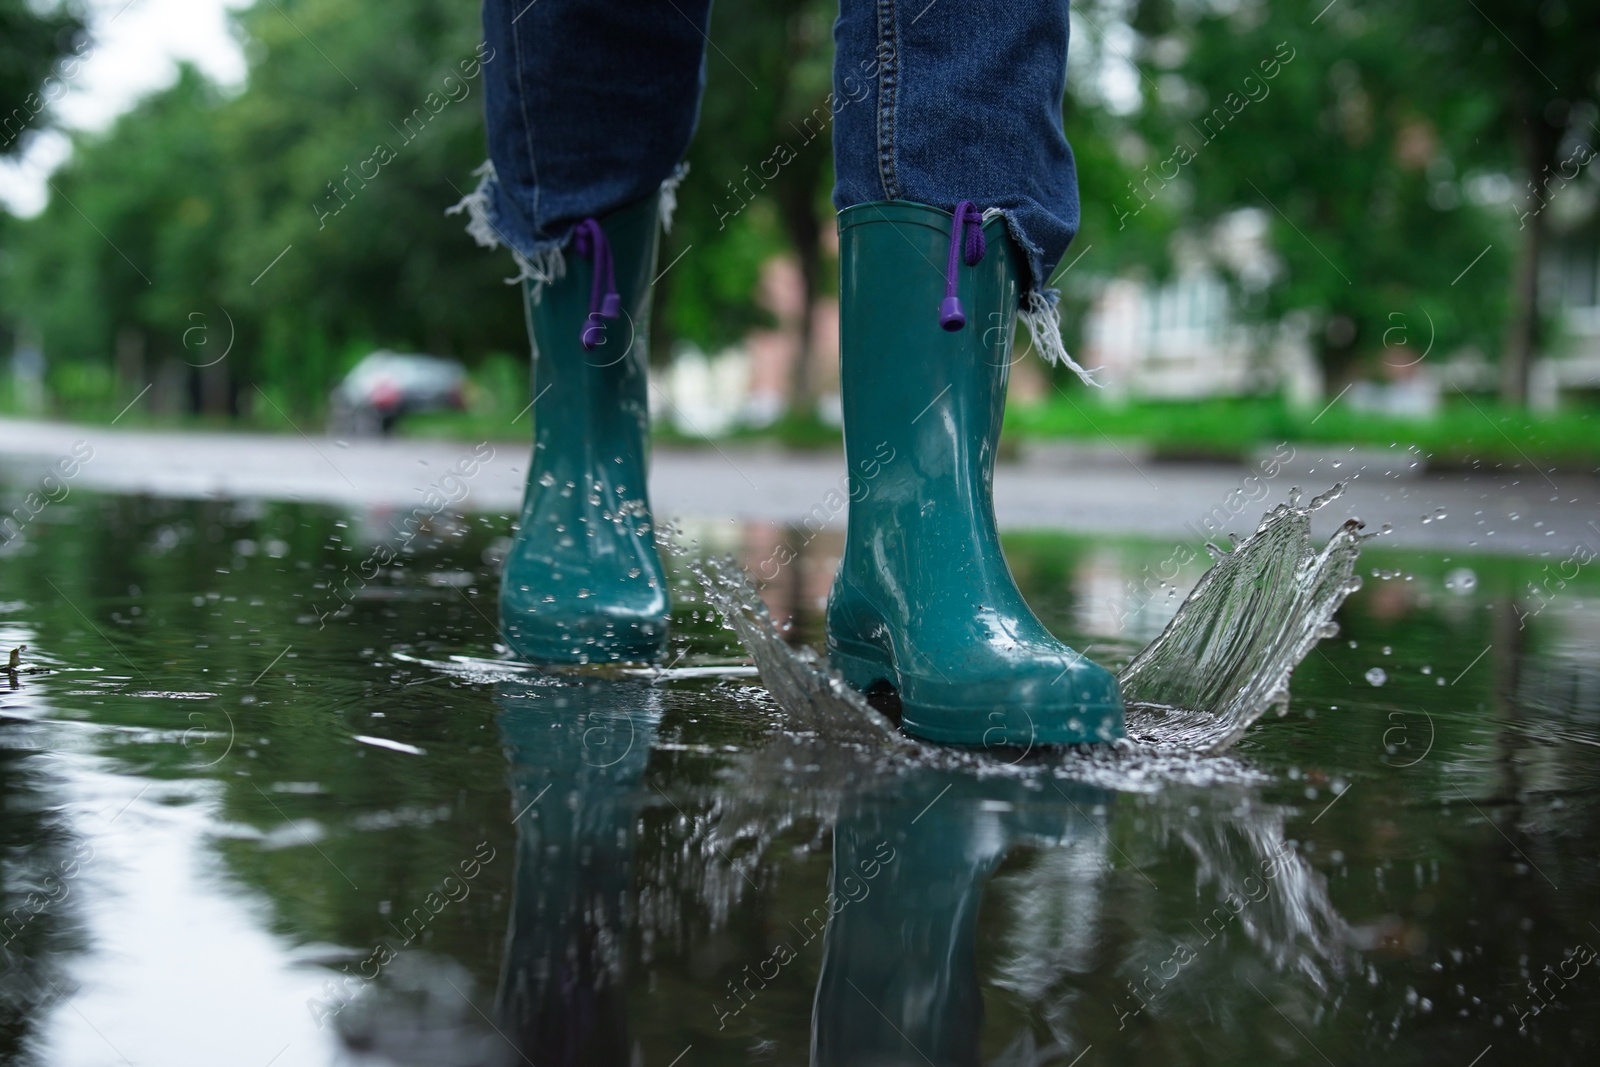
(1461, 581)
(1377, 676)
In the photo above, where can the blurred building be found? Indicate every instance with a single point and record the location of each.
(1570, 290)
(1180, 339)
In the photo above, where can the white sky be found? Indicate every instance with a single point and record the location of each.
(136, 45)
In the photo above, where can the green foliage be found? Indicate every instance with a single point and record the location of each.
(1350, 147)
(257, 217)
(303, 218)
(298, 222)
(41, 49)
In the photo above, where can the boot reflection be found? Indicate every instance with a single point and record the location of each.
(899, 981)
(577, 756)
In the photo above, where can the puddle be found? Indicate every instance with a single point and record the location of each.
(236, 829)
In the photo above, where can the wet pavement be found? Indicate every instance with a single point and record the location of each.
(1103, 488)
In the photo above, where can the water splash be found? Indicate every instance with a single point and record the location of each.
(1223, 660)
(814, 697)
(1226, 656)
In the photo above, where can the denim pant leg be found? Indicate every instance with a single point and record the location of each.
(590, 106)
(959, 100)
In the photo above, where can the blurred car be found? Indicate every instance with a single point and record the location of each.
(386, 385)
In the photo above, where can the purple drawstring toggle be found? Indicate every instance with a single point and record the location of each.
(604, 303)
(951, 316)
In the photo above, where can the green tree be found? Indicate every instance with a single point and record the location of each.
(1536, 70)
(1108, 152)
(369, 136)
(302, 218)
(1353, 151)
(40, 50)
(759, 178)
(129, 242)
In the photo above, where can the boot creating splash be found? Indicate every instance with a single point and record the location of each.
(923, 601)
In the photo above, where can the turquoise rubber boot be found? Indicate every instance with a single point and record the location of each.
(583, 582)
(923, 600)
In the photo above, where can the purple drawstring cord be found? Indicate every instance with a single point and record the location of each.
(951, 316)
(604, 303)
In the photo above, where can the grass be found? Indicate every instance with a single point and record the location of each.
(1466, 431)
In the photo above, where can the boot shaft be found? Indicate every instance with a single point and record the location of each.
(930, 397)
(591, 405)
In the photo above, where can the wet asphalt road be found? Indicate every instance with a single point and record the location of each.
(1101, 490)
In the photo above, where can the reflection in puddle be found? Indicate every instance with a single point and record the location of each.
(883, 952)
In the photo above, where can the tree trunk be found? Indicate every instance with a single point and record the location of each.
(1539, 142)
(804, 228)
(1522, 333)
(130, 363)
(802, 398)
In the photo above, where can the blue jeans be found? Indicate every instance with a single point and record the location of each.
(590, 107)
